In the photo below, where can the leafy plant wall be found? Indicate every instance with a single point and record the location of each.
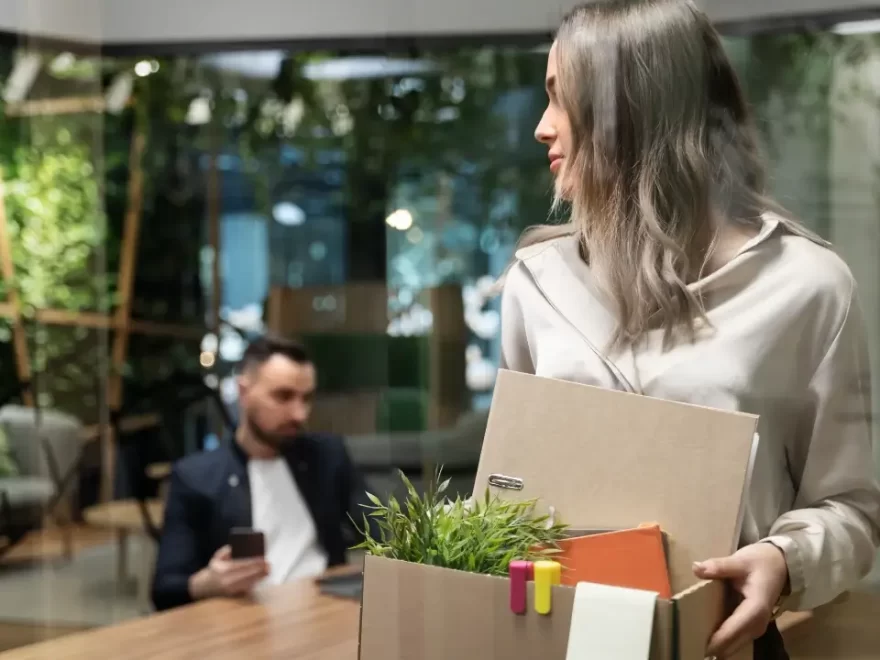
(55, 221)
(790, 80)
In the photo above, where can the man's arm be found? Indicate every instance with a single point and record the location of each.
(179, 556)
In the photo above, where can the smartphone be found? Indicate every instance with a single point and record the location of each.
(247, 543)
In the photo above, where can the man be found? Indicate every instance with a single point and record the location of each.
(296, 487)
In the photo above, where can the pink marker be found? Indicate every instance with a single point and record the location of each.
(520, 573)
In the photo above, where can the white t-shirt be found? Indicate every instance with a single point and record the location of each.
(280, 512)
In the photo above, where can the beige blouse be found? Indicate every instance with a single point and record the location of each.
(786, 342)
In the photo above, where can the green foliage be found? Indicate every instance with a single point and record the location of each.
(57, 231)
(789, 78)
(478, 536)
(440, 122)
(56, 226)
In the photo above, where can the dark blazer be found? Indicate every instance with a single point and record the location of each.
(210, 494)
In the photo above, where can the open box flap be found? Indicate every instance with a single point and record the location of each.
(699, 611)
(603, 458)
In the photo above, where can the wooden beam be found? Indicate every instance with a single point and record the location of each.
(122, 318)
(58, 106)
(213, 201)
(7, 269)
(158, 471)
(157, 329)
(102, 321)
(127, 264)
(97, 320)
(126, 425)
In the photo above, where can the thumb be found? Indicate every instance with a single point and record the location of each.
(223, 553)
(719, 568)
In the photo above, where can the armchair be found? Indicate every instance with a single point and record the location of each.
(46, 448)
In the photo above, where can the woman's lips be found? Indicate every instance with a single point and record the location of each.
(555, 163)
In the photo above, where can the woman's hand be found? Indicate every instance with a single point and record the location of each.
(759, 574)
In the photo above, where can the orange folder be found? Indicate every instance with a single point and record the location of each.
(633, 558)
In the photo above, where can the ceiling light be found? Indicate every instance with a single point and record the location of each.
(118, 93)
(23, 75)
(857, 27)
(209, 343)
(254, 64)
(266, 65)
(347, 68)
(401, 220)
(288, 214)
(143, 68)
(64, 62)
(199, 111)
(232, 346)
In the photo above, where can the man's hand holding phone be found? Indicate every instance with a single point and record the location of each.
(228, 576)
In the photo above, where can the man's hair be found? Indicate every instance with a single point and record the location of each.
(262, 349)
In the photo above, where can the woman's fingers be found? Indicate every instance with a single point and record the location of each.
(747, 623)
(721, 568)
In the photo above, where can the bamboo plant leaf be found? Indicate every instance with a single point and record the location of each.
(481, 535)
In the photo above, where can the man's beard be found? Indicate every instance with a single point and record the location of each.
(271, 440)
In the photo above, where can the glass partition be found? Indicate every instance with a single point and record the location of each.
(161, 210)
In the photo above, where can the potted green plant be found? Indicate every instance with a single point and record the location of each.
(478, 535)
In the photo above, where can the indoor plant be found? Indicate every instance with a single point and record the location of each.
(478, 535)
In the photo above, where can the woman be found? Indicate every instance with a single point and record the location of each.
(676, 277)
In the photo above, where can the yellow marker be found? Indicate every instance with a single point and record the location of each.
(547, 574)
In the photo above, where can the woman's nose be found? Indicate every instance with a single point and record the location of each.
(544, 132)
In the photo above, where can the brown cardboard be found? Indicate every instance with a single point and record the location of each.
(414, 611)
(602, 459)
(410, 611)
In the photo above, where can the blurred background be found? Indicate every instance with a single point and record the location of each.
(180, 177)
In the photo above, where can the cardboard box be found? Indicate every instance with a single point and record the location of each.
(601, 459)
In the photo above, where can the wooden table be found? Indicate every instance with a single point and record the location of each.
(296, 622)
(290, 622)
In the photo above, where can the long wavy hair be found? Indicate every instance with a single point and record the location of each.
(665, 150)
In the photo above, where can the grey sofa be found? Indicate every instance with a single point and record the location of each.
(46, 448)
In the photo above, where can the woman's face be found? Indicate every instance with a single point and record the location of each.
(554, 129)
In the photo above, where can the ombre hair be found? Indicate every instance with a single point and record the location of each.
(664, 148)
